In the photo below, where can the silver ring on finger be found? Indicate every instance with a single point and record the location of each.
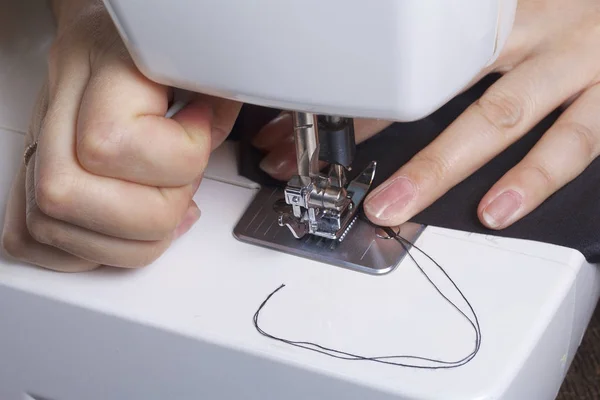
(29, 152)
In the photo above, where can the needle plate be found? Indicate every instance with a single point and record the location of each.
(364, 248)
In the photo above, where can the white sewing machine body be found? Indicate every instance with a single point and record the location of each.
(328, 62)
(388, 59)
(182, 328)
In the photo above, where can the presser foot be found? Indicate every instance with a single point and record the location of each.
(326, 209)
(360, 247)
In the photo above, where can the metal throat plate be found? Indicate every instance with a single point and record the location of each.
(365, 248)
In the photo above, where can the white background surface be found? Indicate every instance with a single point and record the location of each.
(182, 328)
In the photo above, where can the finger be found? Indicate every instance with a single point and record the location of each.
(560, 156)
(280, 130)
(122, 131)
(508, 109)
(277, 139)
(65, 191)
(225, 113)
(280, 163)
(19, 244)
(96, 247)
(16, 240)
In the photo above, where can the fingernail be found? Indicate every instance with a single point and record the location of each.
(189, 219)
(275, 132)
(390, 202)
(499, 211)
(279, 165)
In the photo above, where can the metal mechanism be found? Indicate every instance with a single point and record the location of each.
(322, 204)
(320, 209)
(363, 247)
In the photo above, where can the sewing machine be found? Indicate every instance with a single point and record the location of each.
(182, 328)
(365, 59)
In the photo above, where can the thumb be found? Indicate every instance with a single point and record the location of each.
(224, 115)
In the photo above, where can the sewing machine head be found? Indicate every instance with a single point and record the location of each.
(327, 62)
(385, 59)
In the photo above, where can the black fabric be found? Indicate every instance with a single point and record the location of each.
(569, 218)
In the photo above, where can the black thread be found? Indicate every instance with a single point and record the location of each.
(387, 359)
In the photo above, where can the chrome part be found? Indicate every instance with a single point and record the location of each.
(337, 176)
(359, 247)
(321, 208)
(306, 137)
(321, 204)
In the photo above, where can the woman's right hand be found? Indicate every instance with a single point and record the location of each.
(111, 180)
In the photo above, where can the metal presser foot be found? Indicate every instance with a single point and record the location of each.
(315, 215)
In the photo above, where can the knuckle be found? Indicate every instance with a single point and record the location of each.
(97, 147)
(541, 173)
(435, 166)
(503, 110)
(583, 137)
(53, 193)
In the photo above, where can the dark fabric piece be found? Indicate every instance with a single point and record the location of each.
(569, 218)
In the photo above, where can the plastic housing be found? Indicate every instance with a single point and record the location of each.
(390, 59)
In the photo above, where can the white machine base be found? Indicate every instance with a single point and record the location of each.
(182, 328)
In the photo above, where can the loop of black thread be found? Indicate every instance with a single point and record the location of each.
(386, 359)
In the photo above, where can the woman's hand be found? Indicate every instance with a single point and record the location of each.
(111, 179)
(551, 59)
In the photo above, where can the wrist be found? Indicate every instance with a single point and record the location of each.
(67, 11)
